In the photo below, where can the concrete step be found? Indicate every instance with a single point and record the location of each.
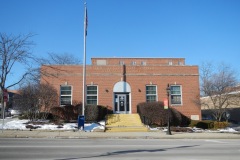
(125, 123)
(127, 129)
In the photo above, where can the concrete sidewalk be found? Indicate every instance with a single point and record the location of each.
(114, 135)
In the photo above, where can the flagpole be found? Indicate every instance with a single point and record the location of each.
(84, 58)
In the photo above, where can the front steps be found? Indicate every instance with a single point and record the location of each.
(124, 123)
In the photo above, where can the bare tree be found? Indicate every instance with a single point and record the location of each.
(51, 62)
(28, 101)
(48, 98)
(218, 87)
(61, 59)
(36, 98)
(58, 59)
(13, 50)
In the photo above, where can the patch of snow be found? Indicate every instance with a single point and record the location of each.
(228, 130)
(21, 125)
(15, 124)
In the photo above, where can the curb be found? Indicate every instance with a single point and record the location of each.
(53, 134)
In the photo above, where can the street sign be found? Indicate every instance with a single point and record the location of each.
(165, 102)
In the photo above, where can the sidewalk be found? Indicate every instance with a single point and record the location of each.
(115, 135)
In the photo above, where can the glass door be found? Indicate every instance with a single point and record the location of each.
(120, 103)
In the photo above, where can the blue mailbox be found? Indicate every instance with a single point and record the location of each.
(81, 120)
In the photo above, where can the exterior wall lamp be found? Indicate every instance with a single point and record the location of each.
(106, 90)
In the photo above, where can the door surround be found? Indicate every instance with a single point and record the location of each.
(122, 98)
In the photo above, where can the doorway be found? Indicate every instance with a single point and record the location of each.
(121, 103)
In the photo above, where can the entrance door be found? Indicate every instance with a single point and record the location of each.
(121, 103)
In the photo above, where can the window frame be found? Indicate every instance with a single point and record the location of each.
(65, 95)
(149, 95)
(91, 95)
(176, 95)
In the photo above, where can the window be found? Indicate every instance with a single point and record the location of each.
(151, 93)
(92, 95)
(121, 62)
(66, 95)
(101, 62)
(134, 63)
(143, 63)
(176, 95)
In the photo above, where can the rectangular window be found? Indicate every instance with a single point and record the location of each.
(121, 63)
(151, 93)
(92, 95)
(134, 63)
(101, 62)
(65, 95)
(143, 63)
(176, 95)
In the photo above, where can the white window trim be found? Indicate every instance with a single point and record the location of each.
(177, 94)
(134, 63)
(92, 94)
(65, 95)
(152, 94)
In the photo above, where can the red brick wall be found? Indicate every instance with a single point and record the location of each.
(106, 76)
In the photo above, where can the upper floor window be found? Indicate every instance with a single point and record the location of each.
(121, 62)
(101, 62)
(134, 63)
(151, 93)
(92, 97)
(143, 63)
(176, 95)
(65, 95)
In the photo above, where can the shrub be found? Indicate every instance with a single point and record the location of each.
(218, 125)
(95, 113)
(91, 113)
(153, 113)
(207, 124)
(69, 113)
(58, 113)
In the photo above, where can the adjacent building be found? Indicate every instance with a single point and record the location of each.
(122, 83)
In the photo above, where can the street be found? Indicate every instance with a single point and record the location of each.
(164, 149)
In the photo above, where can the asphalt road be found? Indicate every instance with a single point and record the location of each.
(127, 149)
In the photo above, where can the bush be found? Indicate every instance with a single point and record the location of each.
(94, 113)
(207, 124)
(153, 113)
(91, 113)
(58, 113)
(219, 125)
(68, 113)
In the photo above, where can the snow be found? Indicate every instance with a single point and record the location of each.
(16, 124)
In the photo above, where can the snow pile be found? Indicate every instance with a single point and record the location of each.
(88, 127)
(15, 124)
(21, 125)
(228, 130)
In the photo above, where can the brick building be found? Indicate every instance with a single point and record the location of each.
(122, 83)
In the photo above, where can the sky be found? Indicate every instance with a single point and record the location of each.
(197, 30)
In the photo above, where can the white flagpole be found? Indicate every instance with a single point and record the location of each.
(84, 59)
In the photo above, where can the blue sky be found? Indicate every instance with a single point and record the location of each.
(198, 30)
